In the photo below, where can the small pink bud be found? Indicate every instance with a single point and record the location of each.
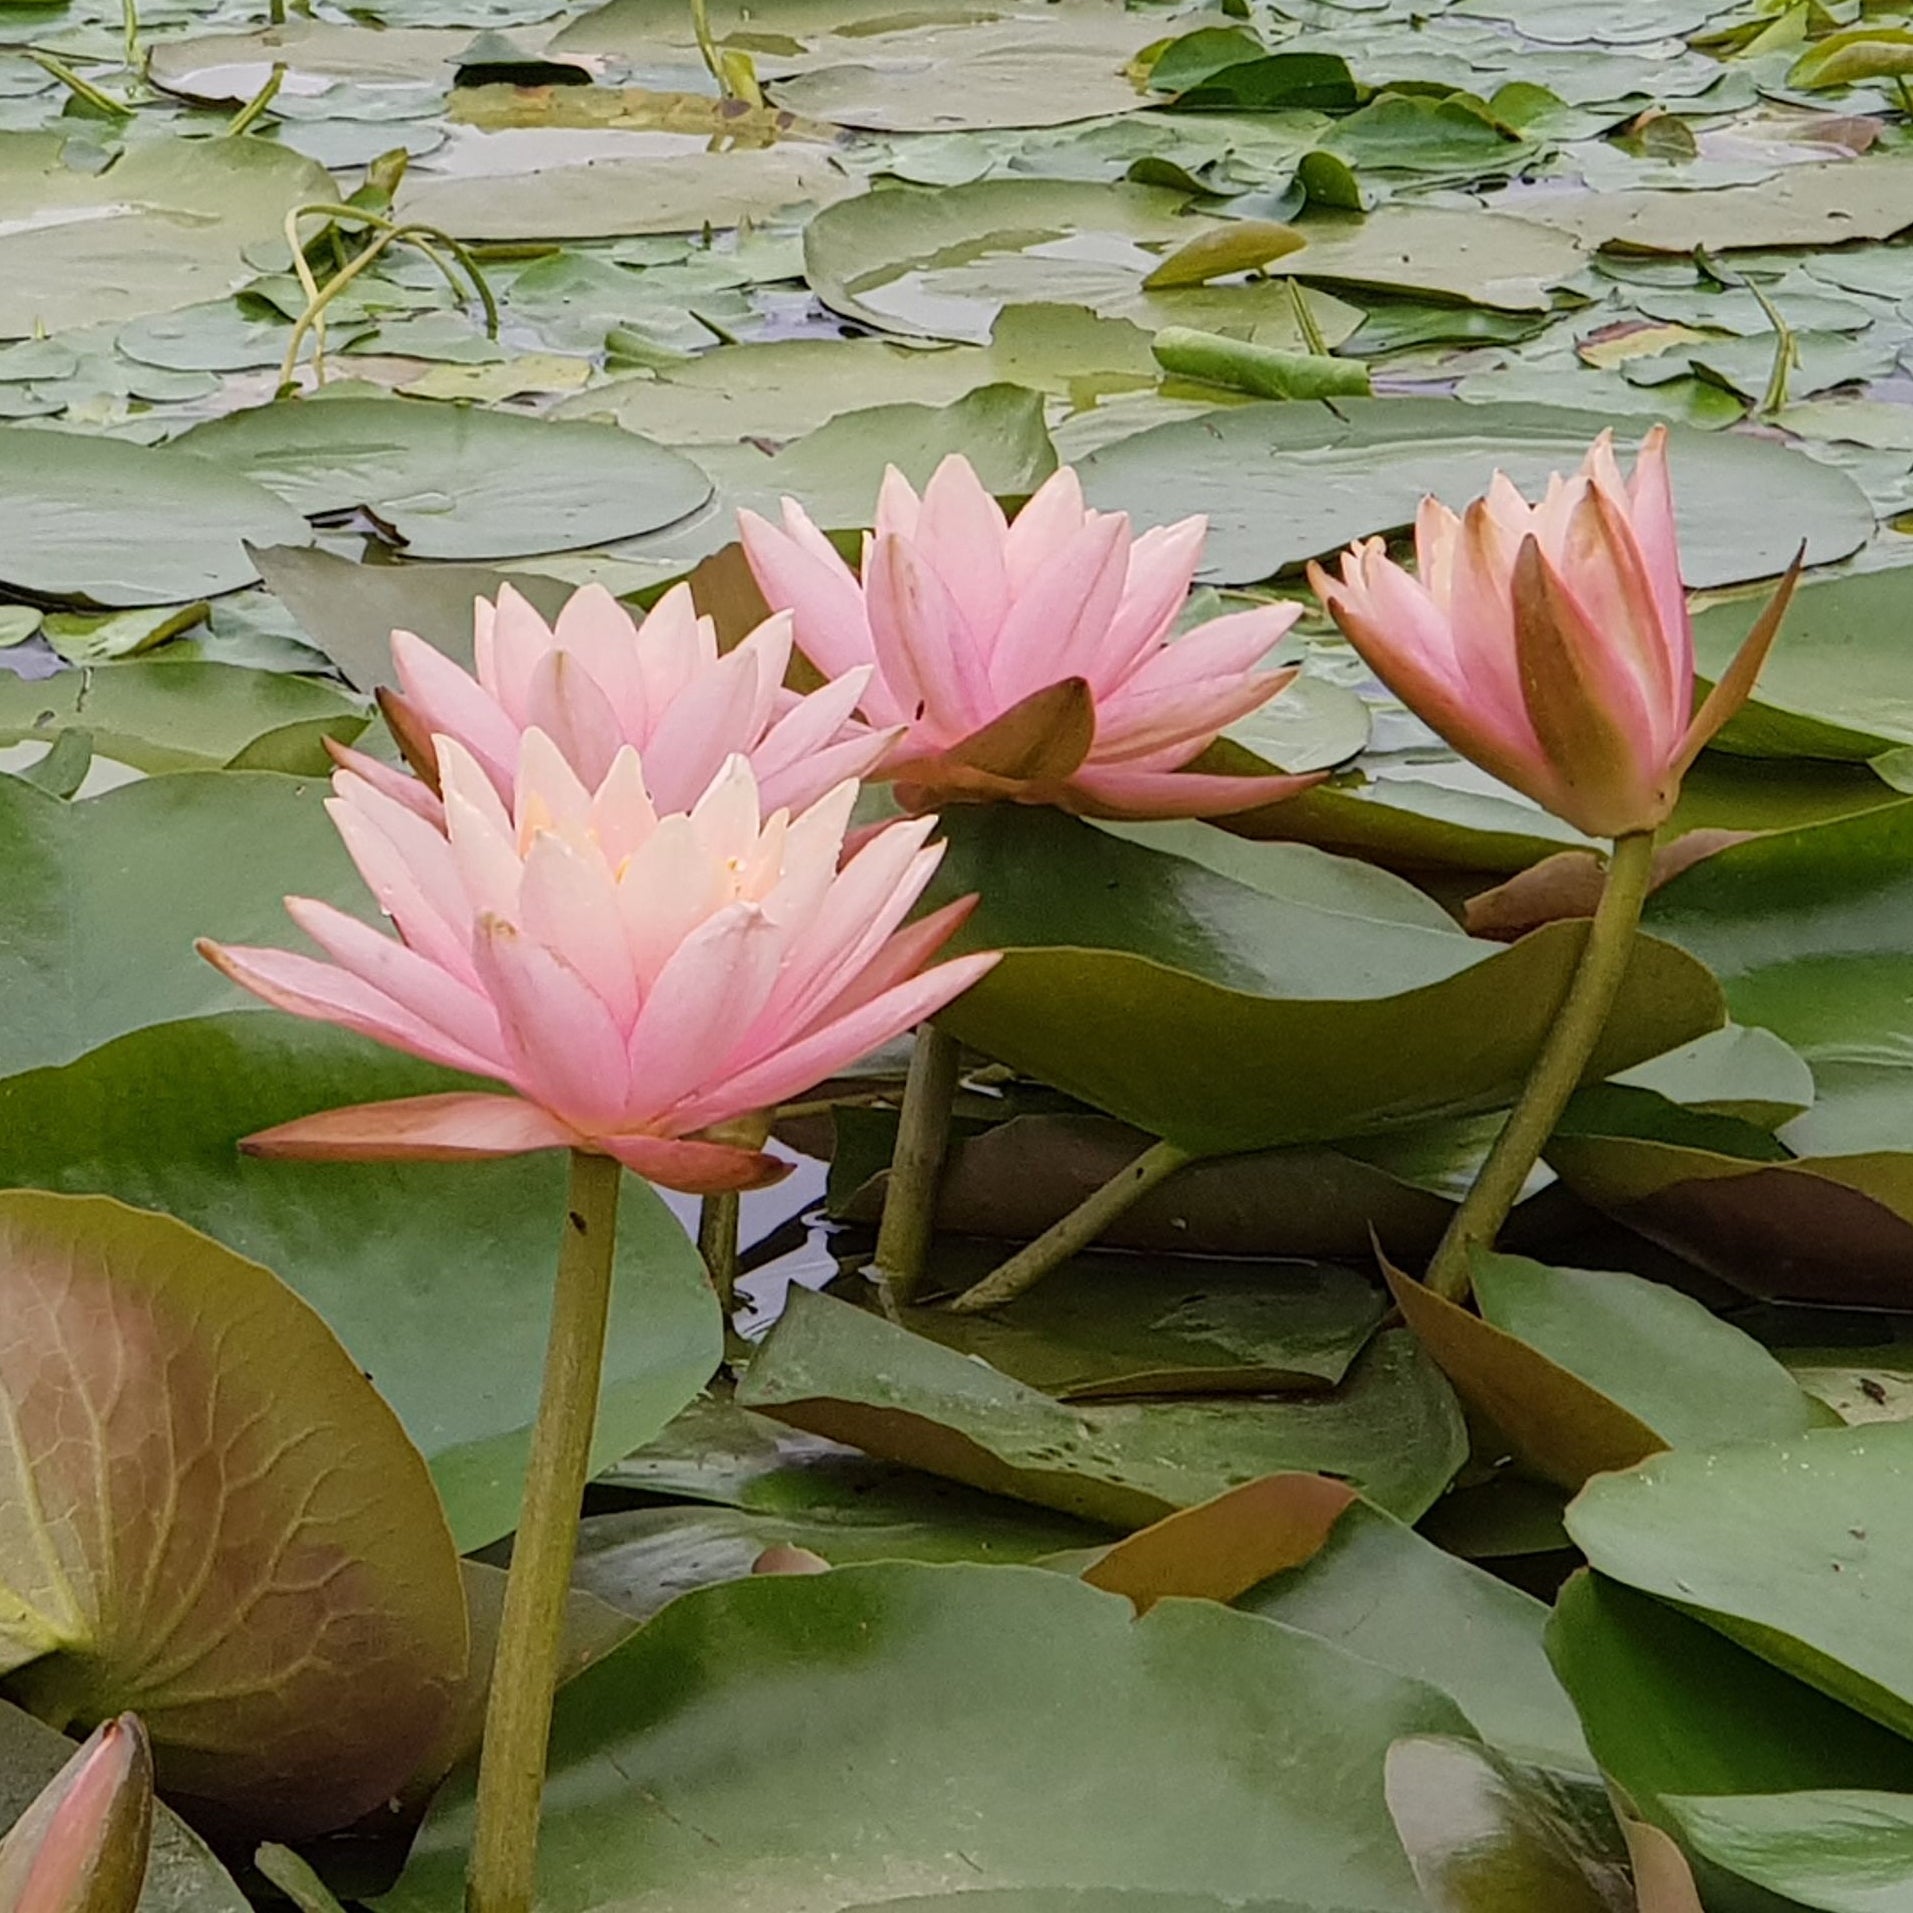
(783, 1558)
(81, 1846)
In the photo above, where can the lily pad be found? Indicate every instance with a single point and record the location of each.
(1123, 1325)
(1380, 1590)
(1199, 1009)
(1670, 1706)
(941, 263)
(162, 716)
(292, 1629)
(115, 524)
(1392, 1428)
(1789, 1548)
(1842, 1852)
(434, 1275)
(161, 227)
(453, 483)
(703, 1765)
(1281, 483)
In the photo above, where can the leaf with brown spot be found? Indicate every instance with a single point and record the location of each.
(214, 1521)
(1225, 1546)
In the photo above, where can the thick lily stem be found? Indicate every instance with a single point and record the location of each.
(916, 1165)
(1556, 1071)
(717, 1243)
(511, 1768)
(1074, 1232)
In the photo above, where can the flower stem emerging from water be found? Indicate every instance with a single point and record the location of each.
(916, 1164)
(511, 1768)
(1557, 1069)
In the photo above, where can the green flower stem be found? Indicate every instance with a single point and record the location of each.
(916, 1165)
(511, 1767)
(1075, 1231)
(1556, 1071)
(717, 1244)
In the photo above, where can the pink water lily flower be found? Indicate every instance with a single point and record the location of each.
(1550, 643)
(634, 979)
(598, 679)
(1032, 661)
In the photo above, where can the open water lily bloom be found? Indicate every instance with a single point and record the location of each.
(598, 680)
(1030, 661)
(634, 979)
(1550, 643)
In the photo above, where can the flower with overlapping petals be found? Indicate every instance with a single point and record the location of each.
(1029, 661)
(598, 680)
(1550, 643)
(635, 979)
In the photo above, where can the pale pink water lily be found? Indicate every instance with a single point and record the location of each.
(635, 979)
(1550, 643)
(82, 1844)
(1030, 661)
(598, 680)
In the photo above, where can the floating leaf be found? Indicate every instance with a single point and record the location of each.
(1282, 483)
(1392, 1428)
(704, 1764)
(292, 1630)
(452, 483)
(1844, 1852)
(1198, 1008)
(433, 1274)
(1240, 246)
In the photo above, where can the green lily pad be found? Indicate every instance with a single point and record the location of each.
(161, 716)
(436, 1276)
(1124, 1325)
(350, 611)
(165, 226)
(710, 1762)
(115, 524)
(1417, 251)
(1670, 1706)
(1808, 931)
(1842, 1852)
(1380, 1590)
(1835, 684)
(1392, 1428)
(942, 263)
(1789, 1548)
(1198, 1008)
(453, 483)
(1281, 483)
(181, 1871)
(643, 1559)
(108, 893)
(288, 1622)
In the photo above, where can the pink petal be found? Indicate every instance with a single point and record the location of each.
(602, 635)
(567, 704)
(961, 533)
(1162, 566)
(568, 901)
(439, 1000)
(1148, 724)
(445, 699)
(521, 641)
(705, 998)
(1226, 647)
(709, 722)
(408, 866)
(695, 1168)
(899, 509)
(907, 952)
(1053, 516)
(322, 994)
(389, 780)
(1059, 624)
(566, 1051)
(820, 592)
(1139, 795)
(926, 651)
(789, 761)
(457, 1127)
(837, 1044)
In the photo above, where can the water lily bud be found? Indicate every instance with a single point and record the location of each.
(783, 1558)
(81, 1846)
(1550, 643)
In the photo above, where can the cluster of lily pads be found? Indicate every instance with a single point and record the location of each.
(1186, 1552)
